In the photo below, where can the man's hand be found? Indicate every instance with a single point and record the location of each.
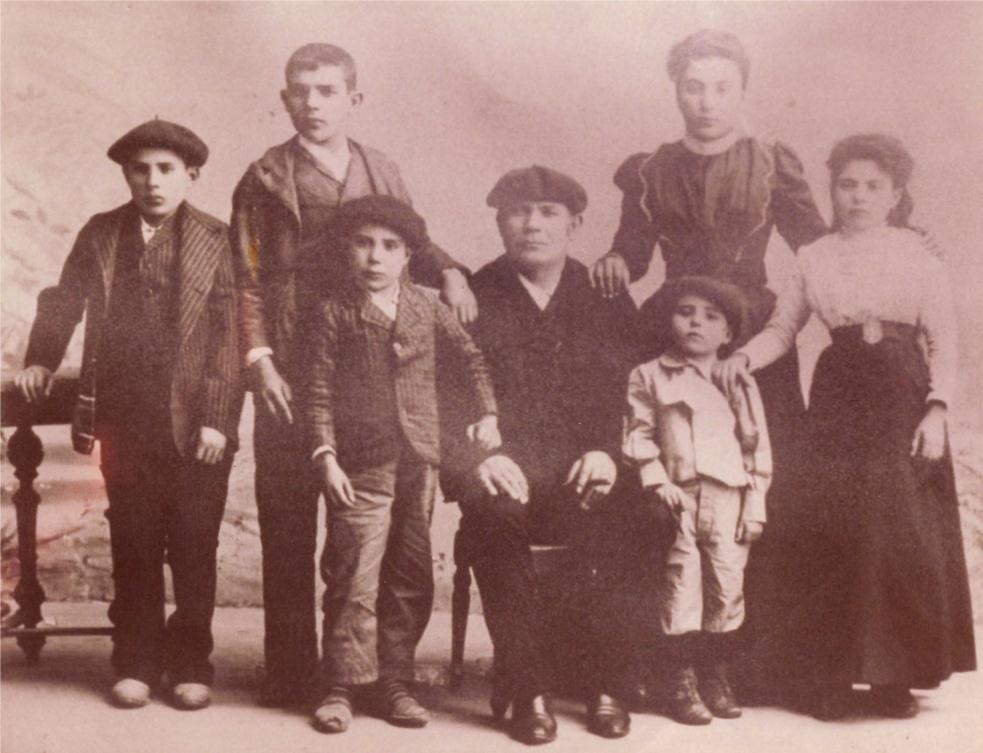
(749, 531)
(610, 273)
(499, 474)
(457, 294)
(733, 373)
(929, 440)
(592, 476)
(273, 389)
(34, 383)
(211, 445)
(484, 433)
(335, 480)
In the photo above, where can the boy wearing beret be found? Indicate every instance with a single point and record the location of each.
(159, 390)
(372, 411)
(283, 212)
(702, 452)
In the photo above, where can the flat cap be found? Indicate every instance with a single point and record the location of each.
(388, 211)
(160, 134)
(538, 183)
(724, 295)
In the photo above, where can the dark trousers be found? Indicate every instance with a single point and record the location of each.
(162, 507)
(379, 574)
(287, 496)
(579, 612)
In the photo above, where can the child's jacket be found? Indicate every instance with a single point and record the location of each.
(373, 387)
(681, 426)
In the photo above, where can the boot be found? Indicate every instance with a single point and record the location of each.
(685, 704)
(716, 691)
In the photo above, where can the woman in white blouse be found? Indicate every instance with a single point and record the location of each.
(876, 587)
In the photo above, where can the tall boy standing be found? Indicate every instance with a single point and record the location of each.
(374, 423)
(705, 455)
(159, 389)
(283, 211)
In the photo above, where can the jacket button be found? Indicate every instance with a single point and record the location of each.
(397, 348)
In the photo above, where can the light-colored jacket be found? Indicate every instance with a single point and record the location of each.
(680, 426)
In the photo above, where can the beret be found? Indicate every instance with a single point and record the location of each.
(538, 183)
(388, 211)
(160, 134)
(724, 295)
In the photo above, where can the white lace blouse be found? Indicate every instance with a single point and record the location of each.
(884, 274)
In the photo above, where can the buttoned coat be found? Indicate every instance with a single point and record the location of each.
(205, 384)
(265, 236)
(374, 381)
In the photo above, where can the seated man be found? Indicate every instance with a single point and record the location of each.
(559, 355)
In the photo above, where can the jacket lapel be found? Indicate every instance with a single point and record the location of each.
(275, 170)
(106, 244)
(198, 255)
(408, 310)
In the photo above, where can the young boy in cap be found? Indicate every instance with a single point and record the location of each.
(373, 416)
(703, 453)
(283, 212)
(159, 389)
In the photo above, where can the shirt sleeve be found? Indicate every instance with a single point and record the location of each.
(796, 217)
(637, 233)
(639, 445)
(791, 314)
(937, 320)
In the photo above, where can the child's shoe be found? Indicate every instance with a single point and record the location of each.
(685, 704)
(716, 692)
(399, 707)
(191, 696)
(130, 693)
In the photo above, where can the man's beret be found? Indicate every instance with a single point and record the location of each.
(160, 134)
(724, 295)
(388, 211)
(538, 183)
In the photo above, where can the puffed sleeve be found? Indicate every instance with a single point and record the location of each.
(637, 233)
(796, 216)
(937, 320)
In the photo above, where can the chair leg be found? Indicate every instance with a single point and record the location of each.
(460, 606)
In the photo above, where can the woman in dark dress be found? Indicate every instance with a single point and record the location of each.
(871, 548)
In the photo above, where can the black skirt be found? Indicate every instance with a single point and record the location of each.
(875, 587)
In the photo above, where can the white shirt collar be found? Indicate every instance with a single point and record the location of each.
(717, 146)
(336, 161)
(541, 296)
(388, 303)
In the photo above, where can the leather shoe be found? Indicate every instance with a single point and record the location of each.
(130, 693)
(607, 717)
(400, 708)
(533, 722)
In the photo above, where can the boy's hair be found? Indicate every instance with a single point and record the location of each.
(707, 43)
(724, 295)
(387, 211)
(314, 55)
(889, 154)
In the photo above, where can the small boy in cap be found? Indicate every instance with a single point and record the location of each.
(159, 388)
(703, 452)
(283, 213)
(373, 415)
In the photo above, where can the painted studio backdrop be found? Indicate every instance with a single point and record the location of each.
(457, 94)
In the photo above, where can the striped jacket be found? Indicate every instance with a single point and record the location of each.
(374, 384)
(205, 385)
